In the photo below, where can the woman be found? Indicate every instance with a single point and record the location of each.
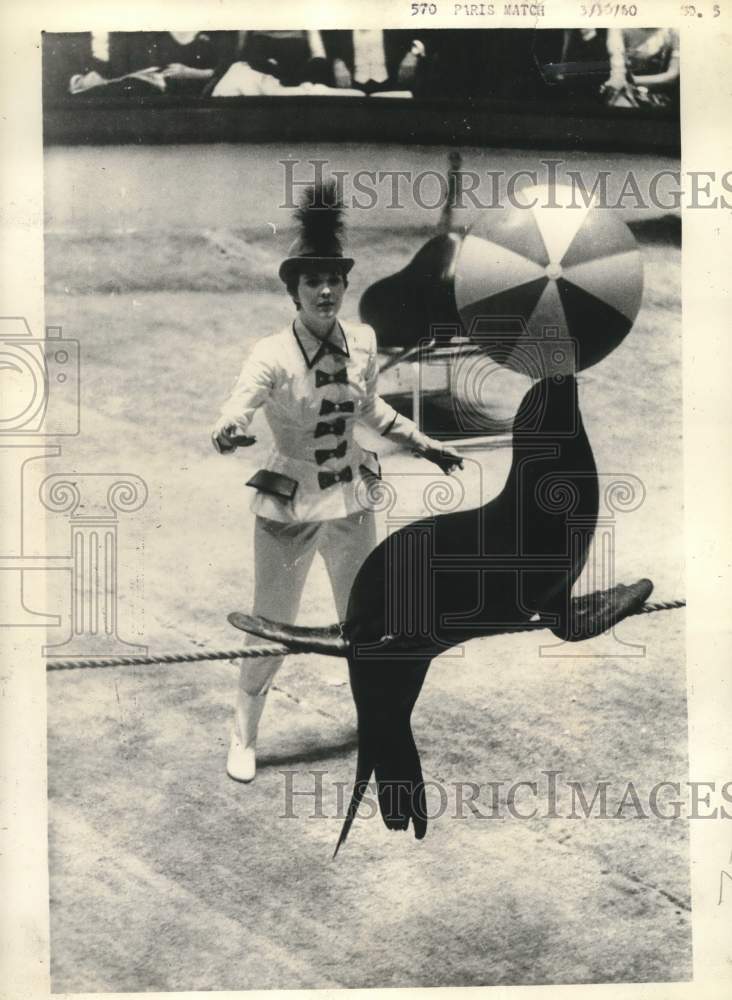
(314, 380)
(644, 66)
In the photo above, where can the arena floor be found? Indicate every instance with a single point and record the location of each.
(166, 875)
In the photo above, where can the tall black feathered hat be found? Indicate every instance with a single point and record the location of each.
(319, 243)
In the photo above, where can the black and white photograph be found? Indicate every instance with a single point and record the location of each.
(363, 416)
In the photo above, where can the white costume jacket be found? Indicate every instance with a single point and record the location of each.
(313, 393)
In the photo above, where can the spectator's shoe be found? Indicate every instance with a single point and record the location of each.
(595, 613)
(241, 762)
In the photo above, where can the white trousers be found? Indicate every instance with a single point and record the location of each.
(283, 555)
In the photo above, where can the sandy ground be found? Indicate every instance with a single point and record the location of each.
(167, 875)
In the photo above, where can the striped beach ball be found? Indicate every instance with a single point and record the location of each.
(555, 269)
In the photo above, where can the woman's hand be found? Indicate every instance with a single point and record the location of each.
(227, 436)
(443, 456)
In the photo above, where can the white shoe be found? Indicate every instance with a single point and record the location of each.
(241, 762)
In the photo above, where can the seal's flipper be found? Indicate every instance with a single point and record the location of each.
(327, 640)
(595, 613)
(399, 783)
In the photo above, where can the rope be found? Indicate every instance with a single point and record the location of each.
(649, 609)
(253, 651)
(146, 661)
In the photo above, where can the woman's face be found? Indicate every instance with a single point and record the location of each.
(320, 294)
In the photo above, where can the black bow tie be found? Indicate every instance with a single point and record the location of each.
(326, 479)
(326, 378)
(336, 427)
(323, 454)
(328, 406)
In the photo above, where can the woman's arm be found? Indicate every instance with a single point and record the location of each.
(377, 414)
(253, 387)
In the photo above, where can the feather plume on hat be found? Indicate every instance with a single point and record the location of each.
(319, 243)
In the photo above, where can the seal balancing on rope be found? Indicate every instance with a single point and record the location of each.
(482, 572)
(519, 541)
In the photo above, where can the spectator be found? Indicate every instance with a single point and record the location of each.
(574, 61)
(110, 68)
(644, 66)
(78, 61)
(292, 57)
(374, 61)
(189, 62)
(135, 64)
(457, 64)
